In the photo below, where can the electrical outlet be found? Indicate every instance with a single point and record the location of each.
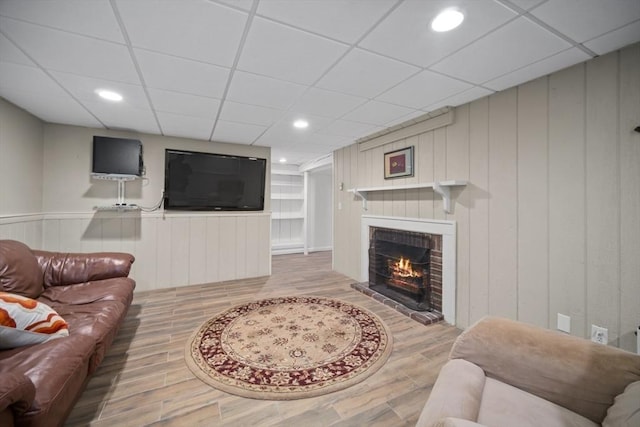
(599, 334)
(564, 323)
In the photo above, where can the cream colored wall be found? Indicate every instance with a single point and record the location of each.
(47, 200)
(550, 220)
(171, 248)
(21, 158)
(68, 186)
(21, 151)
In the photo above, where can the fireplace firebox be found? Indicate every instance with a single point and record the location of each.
(405, 266)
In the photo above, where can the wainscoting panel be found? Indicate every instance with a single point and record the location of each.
(24, 228)
(170, 249)
(533, 203)
(602, 198)
(567, 219)
(548, 222)
(503, 204)
(629, 196)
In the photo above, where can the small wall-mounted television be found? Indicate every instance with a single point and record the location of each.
(117, 156)
(213, 182)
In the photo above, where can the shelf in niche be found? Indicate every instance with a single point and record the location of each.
(293, 196)
(291, 244)
(285, 172)
(287, 184)
(287, 215)
(440, 187)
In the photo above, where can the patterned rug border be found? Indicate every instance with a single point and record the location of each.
(282, 393)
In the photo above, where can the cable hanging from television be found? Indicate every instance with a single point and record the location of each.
(154, 207)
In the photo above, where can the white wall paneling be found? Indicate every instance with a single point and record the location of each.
(548, 222)
(24, 228)
(175, 249)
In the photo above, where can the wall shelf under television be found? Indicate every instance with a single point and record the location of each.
(121, 204)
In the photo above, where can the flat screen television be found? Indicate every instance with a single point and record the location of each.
(117, 156)
(213, 182)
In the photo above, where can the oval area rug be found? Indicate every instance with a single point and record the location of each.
(288, 348)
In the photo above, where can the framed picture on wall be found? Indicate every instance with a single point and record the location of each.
(398, 163)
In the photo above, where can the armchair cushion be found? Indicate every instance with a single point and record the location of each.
(625, 412)
(506, 406)
(19, 270)
(457, 393)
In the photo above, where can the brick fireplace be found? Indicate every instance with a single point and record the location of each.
(407, 267)
(411, 261)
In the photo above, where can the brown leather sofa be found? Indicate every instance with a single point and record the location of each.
(39, 384)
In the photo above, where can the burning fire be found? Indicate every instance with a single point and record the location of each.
(403, 268)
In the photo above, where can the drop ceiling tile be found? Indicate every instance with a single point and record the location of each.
(34, 91)
(546, 66)
(583, 20)
(366, 74)
(285, 53)
(117, 116)
(324, 140)
(238, 4)
(502, 51)
(237, 133)
(423, 89)
(460, 98)
(61, 51)
(617, 39)
(351, 129)
(326, 103)
(406, 118)
(83, 88)
(199, 30)
(251, 114)
(405, 34)
(377, 113)
(185, 126)
(10, 53)
(283, 133)
(285, 130)
(263, 91)
(182, 75)
(184, 104)
(342, 20)
(527, 4)
(93, 18)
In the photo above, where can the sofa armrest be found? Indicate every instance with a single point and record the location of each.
(69, 268)
(457, 393)
(16, 392)
(572, 372)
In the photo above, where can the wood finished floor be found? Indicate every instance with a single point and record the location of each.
(144, 380)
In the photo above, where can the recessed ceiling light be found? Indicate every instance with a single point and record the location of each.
(109, 95)
(301, 124)
(447, 20)
(283, 160)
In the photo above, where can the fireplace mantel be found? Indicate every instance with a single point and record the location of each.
(447, 229)
(439, 187)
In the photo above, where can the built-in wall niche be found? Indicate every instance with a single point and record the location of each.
(288, 210)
